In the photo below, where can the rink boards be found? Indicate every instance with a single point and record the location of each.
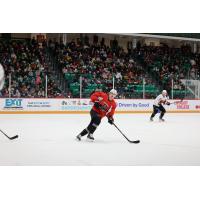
(81, 106)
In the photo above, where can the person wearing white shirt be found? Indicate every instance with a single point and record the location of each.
(160, 100)
(119, 75)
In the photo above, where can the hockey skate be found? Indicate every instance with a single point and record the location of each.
(161, 120)
(90, 137)
(151, 119)
(78, 137)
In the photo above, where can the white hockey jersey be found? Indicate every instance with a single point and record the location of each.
(160, 98)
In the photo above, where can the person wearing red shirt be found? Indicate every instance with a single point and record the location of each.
(104, 105)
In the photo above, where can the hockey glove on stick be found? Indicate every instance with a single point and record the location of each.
(110, 120)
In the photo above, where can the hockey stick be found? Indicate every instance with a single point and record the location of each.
(131, 141)
(10, 138)
(175, 102)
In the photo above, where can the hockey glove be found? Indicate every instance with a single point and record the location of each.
(100, 106)
(110, 120)
(97, 105)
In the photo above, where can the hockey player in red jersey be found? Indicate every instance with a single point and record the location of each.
(104, 105)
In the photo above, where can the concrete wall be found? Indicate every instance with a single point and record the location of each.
(122, 39)
(21, 35)
(152, 41)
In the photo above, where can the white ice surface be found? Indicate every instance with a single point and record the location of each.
(50, 140)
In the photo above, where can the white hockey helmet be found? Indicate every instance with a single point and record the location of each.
(113, 91)
(164, 92)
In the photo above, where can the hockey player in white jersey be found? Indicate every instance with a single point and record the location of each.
(160, 100)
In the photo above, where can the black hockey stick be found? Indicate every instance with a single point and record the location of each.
(131, 141)
(10, 138)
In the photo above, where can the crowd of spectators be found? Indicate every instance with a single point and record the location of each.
(167, 63)
(101, 63)
(26, 66)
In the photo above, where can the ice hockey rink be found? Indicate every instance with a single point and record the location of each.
(50, 140)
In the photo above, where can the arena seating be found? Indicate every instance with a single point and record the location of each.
(25, 62)
(97, 64)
